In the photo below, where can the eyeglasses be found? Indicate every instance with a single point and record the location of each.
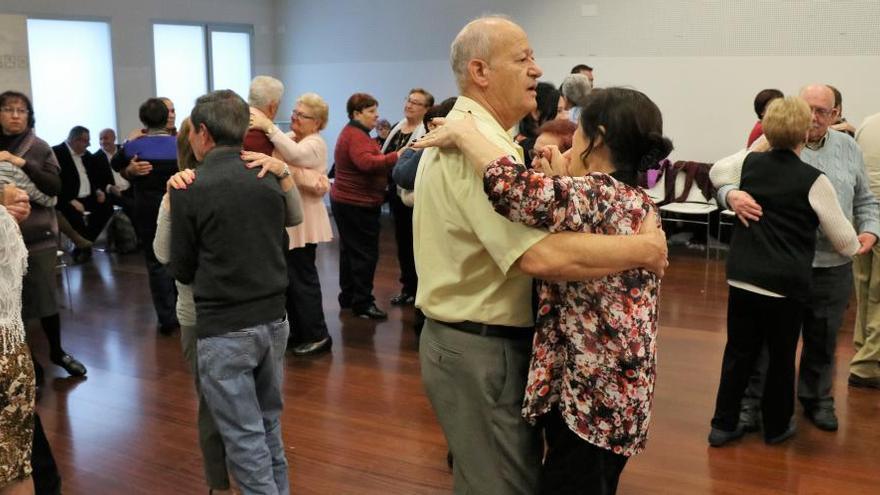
(415, 102)
(298, 115)
(821, 112)
(13, 111)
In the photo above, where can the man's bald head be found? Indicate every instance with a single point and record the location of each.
(477, 40)
(821, 101)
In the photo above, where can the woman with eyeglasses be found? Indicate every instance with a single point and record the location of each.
(410, 128)
(356, 198)
(20, 146)
(306, 152)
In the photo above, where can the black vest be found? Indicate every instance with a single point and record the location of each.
(777, 252)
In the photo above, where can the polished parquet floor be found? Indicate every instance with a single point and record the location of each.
(357, 422)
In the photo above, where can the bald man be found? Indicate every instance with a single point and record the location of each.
(475, 272)
(838, 156)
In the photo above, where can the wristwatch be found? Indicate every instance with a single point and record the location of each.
(286, 172)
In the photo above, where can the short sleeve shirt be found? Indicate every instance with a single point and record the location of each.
(465, 252)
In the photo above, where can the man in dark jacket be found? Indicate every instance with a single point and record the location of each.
(241, 326)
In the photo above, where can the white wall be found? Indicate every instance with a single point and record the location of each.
(131, 33)
(701, 61)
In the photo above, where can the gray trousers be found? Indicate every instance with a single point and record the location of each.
(823, 315)
(210, 442)
(476, 386)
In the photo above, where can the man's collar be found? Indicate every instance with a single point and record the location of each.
(817, 145)
(73, 153)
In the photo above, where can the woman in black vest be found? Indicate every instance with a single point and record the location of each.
(769, 265)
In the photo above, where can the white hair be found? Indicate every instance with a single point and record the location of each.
(575, 88)
(265, 91)
(473, 41)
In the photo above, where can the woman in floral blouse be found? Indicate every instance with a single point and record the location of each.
(591, 378)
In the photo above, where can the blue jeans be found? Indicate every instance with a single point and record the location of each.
(241, 374)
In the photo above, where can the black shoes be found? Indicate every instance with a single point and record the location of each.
(168, 330)
(81, 255)
(403, 299)
(785, 435)
(857, 381)
(717, 437)
(750, 417)
(312, 348)
(70, 364)
(823, 417)
(371, 313)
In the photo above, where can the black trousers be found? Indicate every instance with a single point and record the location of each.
(125, 201)
(822, 316)
(754, 320)
(403, 235)
(99, 215)
(358, 253)
(162, 287)
(304, 302)
(573, 465)
(47, 480)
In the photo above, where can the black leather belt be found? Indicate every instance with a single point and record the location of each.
(485, 330)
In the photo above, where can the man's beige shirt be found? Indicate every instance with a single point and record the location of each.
(464, 250)
(868, 138)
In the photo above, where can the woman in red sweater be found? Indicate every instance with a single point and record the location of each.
(356, 199)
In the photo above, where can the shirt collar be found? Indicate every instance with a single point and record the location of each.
(468, 105)
(817, 145)
(73, 153)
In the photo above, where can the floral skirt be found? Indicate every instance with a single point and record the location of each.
(17, 390)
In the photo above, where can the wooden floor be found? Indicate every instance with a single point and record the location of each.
(357, 422)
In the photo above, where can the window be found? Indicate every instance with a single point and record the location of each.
(74, 85)
(191, 60)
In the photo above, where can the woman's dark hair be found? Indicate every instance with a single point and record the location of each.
(358, 102)
(763, 98)
(153, 113)
(441, 110)
(7, 96)
(630, 125)
(548, 105)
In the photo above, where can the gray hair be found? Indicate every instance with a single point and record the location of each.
(265, 91)
(473, 41)
(575, 88)
(225, 115)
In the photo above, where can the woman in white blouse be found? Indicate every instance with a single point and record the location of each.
(306, 152)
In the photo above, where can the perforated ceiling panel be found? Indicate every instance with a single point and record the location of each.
(628, 28)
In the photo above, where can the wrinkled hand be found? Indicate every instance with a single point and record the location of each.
(448, 134)
(867, 241)
(137, 133)
(100, 197)
(551, 162)
(269, 163)
(180, 180)
(77, 206)
(260, 121)
(844, 127)
(652, 233)
(6, 156)
(18, 204)
(761, 144)
(137, 168)
(745, 206)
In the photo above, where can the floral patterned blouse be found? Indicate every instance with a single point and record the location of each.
(594, 351)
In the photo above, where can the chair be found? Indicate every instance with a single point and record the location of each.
(61, 264)
(694, 209)
(725, 217)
